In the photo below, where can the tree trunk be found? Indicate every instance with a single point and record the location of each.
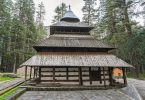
(126, 18)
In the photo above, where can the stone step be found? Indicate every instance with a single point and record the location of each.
(65, 88)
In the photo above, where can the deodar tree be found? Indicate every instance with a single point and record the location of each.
(17, 33)
(89, 11)
(60, 11)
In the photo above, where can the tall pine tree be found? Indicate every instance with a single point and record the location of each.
(89, 11)
(41, 30)
(60, 11)
(5, 33)
(24, 31)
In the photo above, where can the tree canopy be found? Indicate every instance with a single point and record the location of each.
(18, 31)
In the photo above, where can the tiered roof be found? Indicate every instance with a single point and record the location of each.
(70, 44)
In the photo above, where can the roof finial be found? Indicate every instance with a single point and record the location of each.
(69, 8)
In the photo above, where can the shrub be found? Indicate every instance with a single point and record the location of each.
(11, 75)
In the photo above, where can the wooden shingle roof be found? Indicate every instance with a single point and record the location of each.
(75, 60)
(71, 24)
(85, 41)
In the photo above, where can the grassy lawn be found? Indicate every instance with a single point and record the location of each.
(4, 96)
(6, 78)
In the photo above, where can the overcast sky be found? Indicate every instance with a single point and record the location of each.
(76, 6)
(50, 5)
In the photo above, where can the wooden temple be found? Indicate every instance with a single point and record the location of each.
(72, 56)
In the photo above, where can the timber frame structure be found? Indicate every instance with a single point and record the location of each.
(72, 56)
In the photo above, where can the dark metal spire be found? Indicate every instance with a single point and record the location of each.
(70, 16)
(69, 8)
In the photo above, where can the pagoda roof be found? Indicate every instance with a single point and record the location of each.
(75, 59)
(71, 24)
(83, 41)
(70, 16)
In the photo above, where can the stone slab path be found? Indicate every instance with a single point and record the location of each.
(75, 95)
(140, 86)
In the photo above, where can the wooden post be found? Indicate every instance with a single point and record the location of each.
(90, 75)
(53, 74)
(104, 77)
(100, 75)
(110, 76)
(39, 74)
(124, 76)
(80, 76)
(67, 73)
(30, 72)
(25, 73)
(34, 72)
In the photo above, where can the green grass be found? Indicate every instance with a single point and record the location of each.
(141, 76)
(6, 78)
(4, 96)
(129, 75)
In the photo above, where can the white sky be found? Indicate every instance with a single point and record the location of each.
(76, 6)
(50, 5)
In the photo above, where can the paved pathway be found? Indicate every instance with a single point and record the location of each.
(140, 86)
(75, 95)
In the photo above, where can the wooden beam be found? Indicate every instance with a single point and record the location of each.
(75, 80)
(25, 73)
(124, 76)
(104, 77)
(63, 75)
(90, 75)
(80, 76)
(30, 72)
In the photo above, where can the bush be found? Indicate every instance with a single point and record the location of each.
(142, 76)
(11, 75)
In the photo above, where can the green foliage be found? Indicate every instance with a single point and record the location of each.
(18, 32)
(9, 75)
(117, 27)
(40, 29)
(7, 94)
(135, 46)
(142, 76)
(129, 75)
(60, 11)
(89, 11)
(6, 78)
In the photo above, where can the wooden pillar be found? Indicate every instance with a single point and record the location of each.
(100, 75)
(104, 77)
(90, 75)
(30, 72)
(34, 74)
(80, 76)
(25, 73)
(110, 76)
(36, 70)
(67, 73)
(124, 76)
(53, 74)
(39, 74)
